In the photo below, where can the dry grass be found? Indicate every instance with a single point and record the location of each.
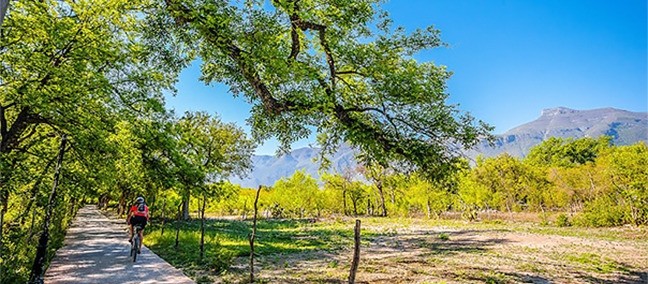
(446, 251)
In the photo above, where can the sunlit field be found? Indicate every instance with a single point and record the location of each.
(404, 250)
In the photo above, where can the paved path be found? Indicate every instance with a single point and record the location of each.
(96, 250)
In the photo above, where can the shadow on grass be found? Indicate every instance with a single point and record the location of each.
(493, 276)
(436, 243)
(631, 278)
(226, 239)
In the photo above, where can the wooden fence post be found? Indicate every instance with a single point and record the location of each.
(256, 200)
(356, 253)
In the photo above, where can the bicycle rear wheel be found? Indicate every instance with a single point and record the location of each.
(135, 247)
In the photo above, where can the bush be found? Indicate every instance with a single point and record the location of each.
(221, 260)
(562, 220)
(601, 212)
(544, 219)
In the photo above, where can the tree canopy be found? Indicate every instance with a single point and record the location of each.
(339, 67)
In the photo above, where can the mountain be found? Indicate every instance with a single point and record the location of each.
(268, 169)
(625, 127)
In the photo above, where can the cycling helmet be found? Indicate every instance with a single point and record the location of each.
(139, 200)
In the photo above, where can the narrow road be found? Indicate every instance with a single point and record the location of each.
(96, 250)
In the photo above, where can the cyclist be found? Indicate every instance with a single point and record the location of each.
(138, 214)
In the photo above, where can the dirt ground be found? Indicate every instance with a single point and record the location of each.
(446, 254)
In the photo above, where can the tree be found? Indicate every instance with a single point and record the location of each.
(297, 194)
(625, 170)
(567, 152)
(377, 175)
(509, 181)
(71, 68)
(213, 150)
(314, 63)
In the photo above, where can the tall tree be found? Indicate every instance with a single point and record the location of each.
(213, 149)
(73, 67)
(318, 63)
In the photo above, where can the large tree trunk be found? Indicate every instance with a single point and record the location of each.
(185, 207)
(41, 252)
(382, 199)
(4, 7)
(4, 200)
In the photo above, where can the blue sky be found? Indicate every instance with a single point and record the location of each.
(510, 58)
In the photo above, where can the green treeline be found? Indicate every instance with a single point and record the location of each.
(595, 183)
(94, 73)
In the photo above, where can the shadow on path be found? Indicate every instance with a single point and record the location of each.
(96, 250)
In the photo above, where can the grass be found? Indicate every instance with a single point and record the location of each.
(300, 251)
(226, 239)
(595, 263)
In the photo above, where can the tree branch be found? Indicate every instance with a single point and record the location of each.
(3, 123)
(24, 119)
(304, 25)
(351, 72)
(29, 134)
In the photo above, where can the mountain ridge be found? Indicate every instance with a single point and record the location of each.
(625, 127)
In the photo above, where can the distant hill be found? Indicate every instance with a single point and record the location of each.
(624, 126)
(268, 169)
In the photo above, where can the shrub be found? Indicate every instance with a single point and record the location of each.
(562, 220)
(601, 212)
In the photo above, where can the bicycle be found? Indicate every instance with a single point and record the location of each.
(135, 242)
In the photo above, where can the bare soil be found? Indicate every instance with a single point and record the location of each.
(446, 254)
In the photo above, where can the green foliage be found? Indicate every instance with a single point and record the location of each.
(86, 69)
(296, 196)
(606, 192)
(567, 152)
(601, 212)
(503, 183)
(562, 220)
(332, 70)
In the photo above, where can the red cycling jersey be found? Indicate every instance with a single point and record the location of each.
(136, 212)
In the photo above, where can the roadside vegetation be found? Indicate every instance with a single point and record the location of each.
(564, 182)
(406, 250)
(83, 121)
(546, 205)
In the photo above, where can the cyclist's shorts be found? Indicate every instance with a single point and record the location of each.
(141, 220)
